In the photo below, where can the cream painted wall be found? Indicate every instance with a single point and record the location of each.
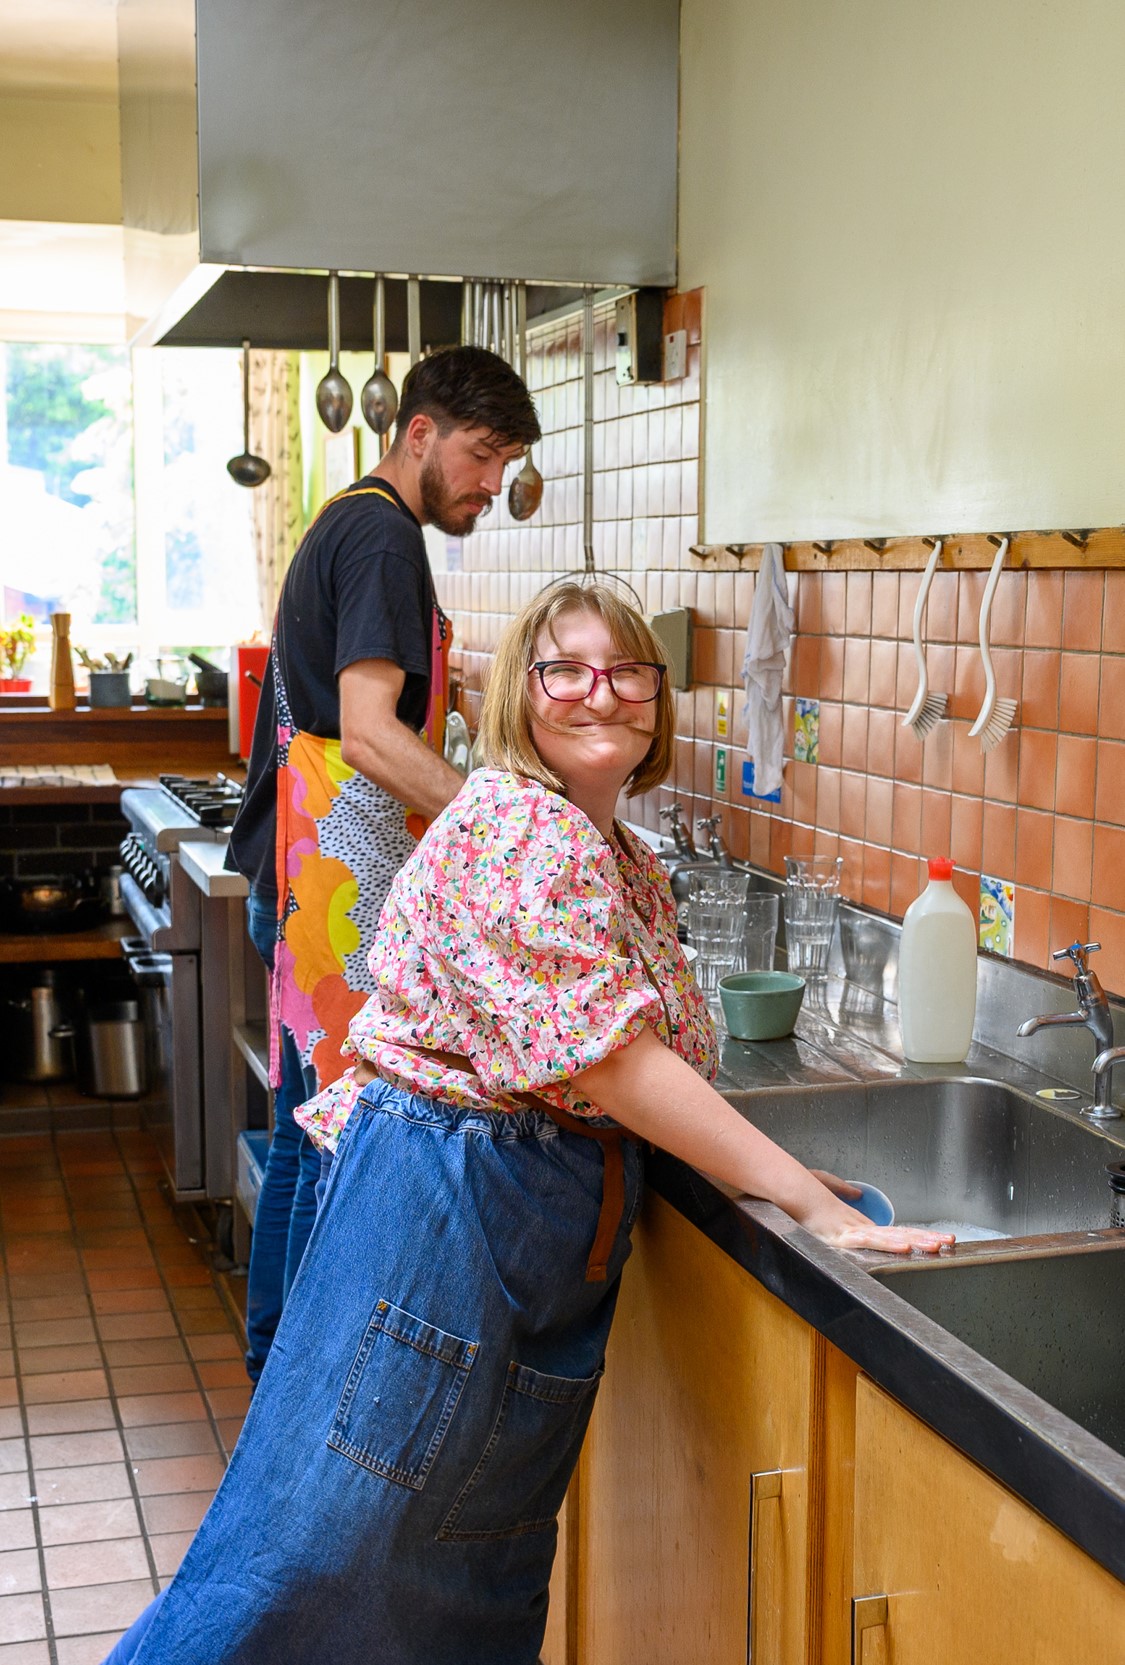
(909, 219)
(62, 159)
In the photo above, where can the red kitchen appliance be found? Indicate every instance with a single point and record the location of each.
(251, 662)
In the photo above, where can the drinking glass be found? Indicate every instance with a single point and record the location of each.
(759, 935)
(716, 921)
(812, 902)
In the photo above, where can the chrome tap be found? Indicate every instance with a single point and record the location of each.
(1093, 1011)
(710, 825)
(678, 832)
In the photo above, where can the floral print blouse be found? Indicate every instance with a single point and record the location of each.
(517, 937)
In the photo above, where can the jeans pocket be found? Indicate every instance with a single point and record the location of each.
(400, 1396)
(521, 1479)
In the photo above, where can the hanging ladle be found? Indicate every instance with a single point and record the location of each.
(526, 491)
(247, 470)
(333, 394)
(378, 400)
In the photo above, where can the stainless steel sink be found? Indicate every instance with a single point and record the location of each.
(1054, 1322)
(974, 1152)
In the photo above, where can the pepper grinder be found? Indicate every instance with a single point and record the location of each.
(61, 695)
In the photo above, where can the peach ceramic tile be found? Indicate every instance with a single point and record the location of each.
(877, 878)
(909, 585)
(1109, 801)
(1111, 710)
(936, 823)
(831, 733)
(781, 843)
(1070, 922)
(760, 829)
(907, 879)
(804, 667)
(1109, 929)
(854, 852)
(881, 735)
(1039, 755)
(908, 755)
(1006, 623)
(857, 670)
(1001, 767)
(970, 594)
(884, 673)
(1034, 848)
(968, 762)
(853, 750)
(1113, 625)
(1043, 626)
(832, 668)
(1076, 773)
(828, 798)
(1039, 698)
(940, 621)
(966, 831)
(808, 603)
(1073, 854)
(853, 804)
(1083, 604)
(1032, 927)
(880, 805)
(967, 691)
(857, 607)
(884, 605)
(906, 821)
(833, 603)
(967, 885)
(998, 841)
(937, 758)
(804, 781)
(1109, 868)
(1079, 679)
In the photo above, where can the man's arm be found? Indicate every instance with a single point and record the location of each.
(374, 741)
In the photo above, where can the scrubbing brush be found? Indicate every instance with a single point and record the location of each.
(928, 709)
(995, 717)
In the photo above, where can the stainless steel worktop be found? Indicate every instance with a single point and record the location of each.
(847, 1033)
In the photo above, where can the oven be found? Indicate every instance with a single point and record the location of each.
(165, 959)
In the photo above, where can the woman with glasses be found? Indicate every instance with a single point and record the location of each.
(393, 1496)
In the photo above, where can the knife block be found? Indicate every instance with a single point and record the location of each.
(60, 694)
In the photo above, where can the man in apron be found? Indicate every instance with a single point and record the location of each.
(346, 767)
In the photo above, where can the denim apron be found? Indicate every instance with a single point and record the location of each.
(392, 1498)
(340, 841)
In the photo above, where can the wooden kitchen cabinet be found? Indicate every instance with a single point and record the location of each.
(693, 1490)
(970, 1573)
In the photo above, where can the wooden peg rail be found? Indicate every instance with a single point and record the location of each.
(1077, 549)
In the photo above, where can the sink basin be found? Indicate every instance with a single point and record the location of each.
(972, 1152)
(1054, 1323)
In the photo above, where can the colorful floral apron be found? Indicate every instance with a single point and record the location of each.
(340, 841)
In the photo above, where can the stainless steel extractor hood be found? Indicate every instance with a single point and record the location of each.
(267, 142)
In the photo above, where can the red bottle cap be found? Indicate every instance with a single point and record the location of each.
(941, 867)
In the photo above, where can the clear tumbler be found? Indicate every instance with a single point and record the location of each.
(716, 922)
(812, 903)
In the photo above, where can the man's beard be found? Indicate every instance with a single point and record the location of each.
(455, 516)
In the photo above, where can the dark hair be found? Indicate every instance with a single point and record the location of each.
(469, 387)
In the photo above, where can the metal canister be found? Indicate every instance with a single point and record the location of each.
(1116, 1172)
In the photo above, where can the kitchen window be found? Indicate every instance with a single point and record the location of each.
(117, 505)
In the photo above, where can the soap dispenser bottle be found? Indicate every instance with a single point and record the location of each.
(937, 972)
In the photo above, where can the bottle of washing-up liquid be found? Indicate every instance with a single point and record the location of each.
(937, 972)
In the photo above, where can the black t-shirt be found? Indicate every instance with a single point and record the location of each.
(359, 587)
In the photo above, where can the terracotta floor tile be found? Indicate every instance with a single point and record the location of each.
(111, 1561)
(156, 1350)
(76, 1417)
(84, 1650)
(231, 1426)
(13, 1455)
(173, 1439)
(178, 1512)
(54, 1361)
(205, 1322)
(122, 1277)
(160, 1476)
(215, 1346)
(135, 1326)
(28, 1653)
(235, 1401)
(89, 1523)
(93, 1483)
(55, 1332)
(147, 1409)
(22, 1618)
(185, 1276)
(76, 1450)
(72, 1384)
(15, 1492)
(99, 1607)
(9, 1394)
(17, 1529)
(19, 1571)
(113, 1237)
(112, 1301)
(62, 1283)
(152, 1378)
(168, 1550)
(222, 1373)
(118, 1260)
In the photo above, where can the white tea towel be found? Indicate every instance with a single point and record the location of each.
(767, 641)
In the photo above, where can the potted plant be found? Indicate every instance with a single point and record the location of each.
(17, 641)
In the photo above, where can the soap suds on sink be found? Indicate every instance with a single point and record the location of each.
(963, 1230)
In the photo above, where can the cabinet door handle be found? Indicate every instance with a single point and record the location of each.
(868, 1613)
(763, 1487)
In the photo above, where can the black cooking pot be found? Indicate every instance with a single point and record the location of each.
(57, 902)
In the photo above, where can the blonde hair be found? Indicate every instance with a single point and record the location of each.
(504, 736)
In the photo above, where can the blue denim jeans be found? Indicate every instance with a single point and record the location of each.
(392, 1499)
(286, 1202)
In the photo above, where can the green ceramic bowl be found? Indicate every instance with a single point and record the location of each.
(761, 1005)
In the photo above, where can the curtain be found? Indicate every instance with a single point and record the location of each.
(275, 433)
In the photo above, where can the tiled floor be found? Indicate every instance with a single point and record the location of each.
(122, 1389)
